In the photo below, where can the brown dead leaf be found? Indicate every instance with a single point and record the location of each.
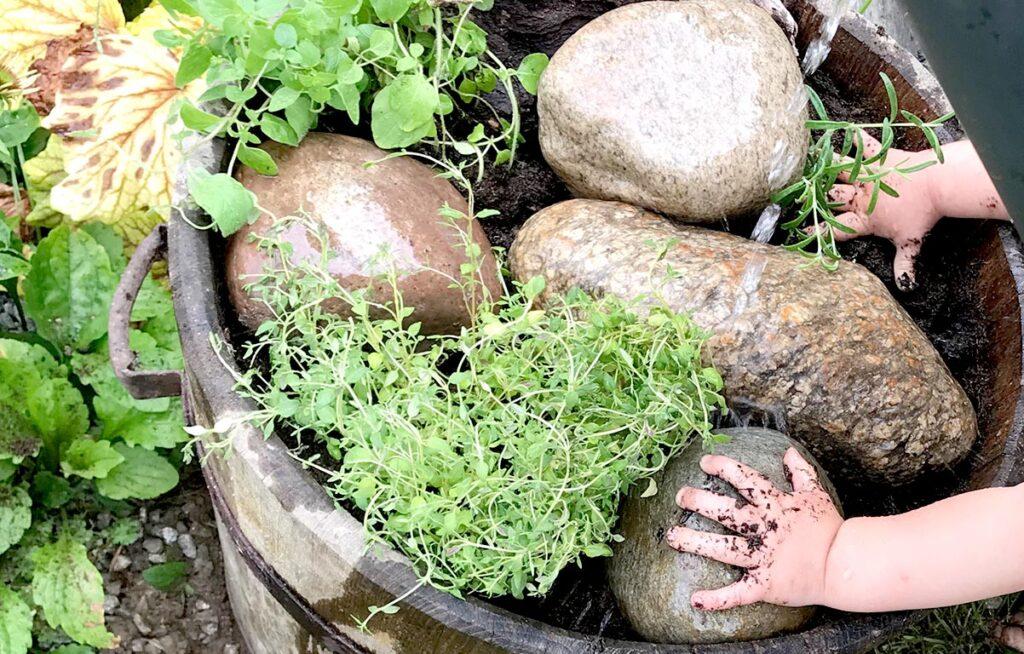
(112, 110)
(9, 205)
(26, 26)
(49, 67)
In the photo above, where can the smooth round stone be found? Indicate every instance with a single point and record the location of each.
(681, 107)
(392, 206)
(653, 582)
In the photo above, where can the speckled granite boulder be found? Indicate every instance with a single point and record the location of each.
(392, 205)
(832, 353)
(682, 107)
(653, 582)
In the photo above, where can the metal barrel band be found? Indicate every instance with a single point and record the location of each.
(141, 384)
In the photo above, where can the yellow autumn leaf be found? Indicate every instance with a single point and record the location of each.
(155, 18)
(26, 25)
(119, 150)
(42, 173)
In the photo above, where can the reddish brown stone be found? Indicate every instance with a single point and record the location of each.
(394, 204)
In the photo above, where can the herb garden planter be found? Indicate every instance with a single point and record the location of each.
(298, 570)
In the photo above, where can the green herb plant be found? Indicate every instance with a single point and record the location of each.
(492, 458)
(406, 65)
(73, 443)
(813, 228)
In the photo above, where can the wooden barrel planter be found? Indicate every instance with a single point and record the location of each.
(298, 569)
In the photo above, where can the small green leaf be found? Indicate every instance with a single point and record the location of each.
(278, 130)
(15, 515)
(403, 112)
(69, 290)
(15, 623)
(197, 119)
(257, 159)
(285, 35)
(391, 11)
(229, 204)
(69, 589)
(194, 63)
(597, 550)
(300, 116)
(890, 91)
(50, 490)
(651, 490)
(142, 475)
(89, 459)
(282, 97)
(166, 576)
(124, 531)
(530, 70)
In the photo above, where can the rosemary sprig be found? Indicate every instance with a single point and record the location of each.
(812, 229)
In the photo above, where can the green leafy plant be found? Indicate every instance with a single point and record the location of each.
(812, 229)
(406, 65)
(493, 458)
(73, 443)
(167, 576)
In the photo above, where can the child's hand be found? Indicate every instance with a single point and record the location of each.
(959, 188)
(904, 220)
(784, 537)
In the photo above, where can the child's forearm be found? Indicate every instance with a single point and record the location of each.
(961, 549)
(961, 188)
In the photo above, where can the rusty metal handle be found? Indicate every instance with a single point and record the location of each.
(142, 385)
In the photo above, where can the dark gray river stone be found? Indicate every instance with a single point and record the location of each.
(681, 107)
(831, 352)
(653, 583)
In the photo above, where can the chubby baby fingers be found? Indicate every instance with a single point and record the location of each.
(749, 483)
(745, 591)
(723, 510)
(731, 550)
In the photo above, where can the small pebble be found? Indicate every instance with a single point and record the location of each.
(152, 545)
(138, 645)
(169, 535)
(119, 563)
(110, 602)
(141, 625)
(210, 628)
(187, 545)
(157, 558)
(201, 605)
(231, 649)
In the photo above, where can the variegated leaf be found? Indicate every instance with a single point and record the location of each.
(43, 172)
(119, 152)
(155, 18)
(26, 25)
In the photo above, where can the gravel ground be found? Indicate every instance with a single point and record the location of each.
(195, 619)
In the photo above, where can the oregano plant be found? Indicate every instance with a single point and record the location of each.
(401, 66)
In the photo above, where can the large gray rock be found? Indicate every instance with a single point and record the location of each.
(683, 107)
(390, 206)
(831, 352)
(653, 582)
